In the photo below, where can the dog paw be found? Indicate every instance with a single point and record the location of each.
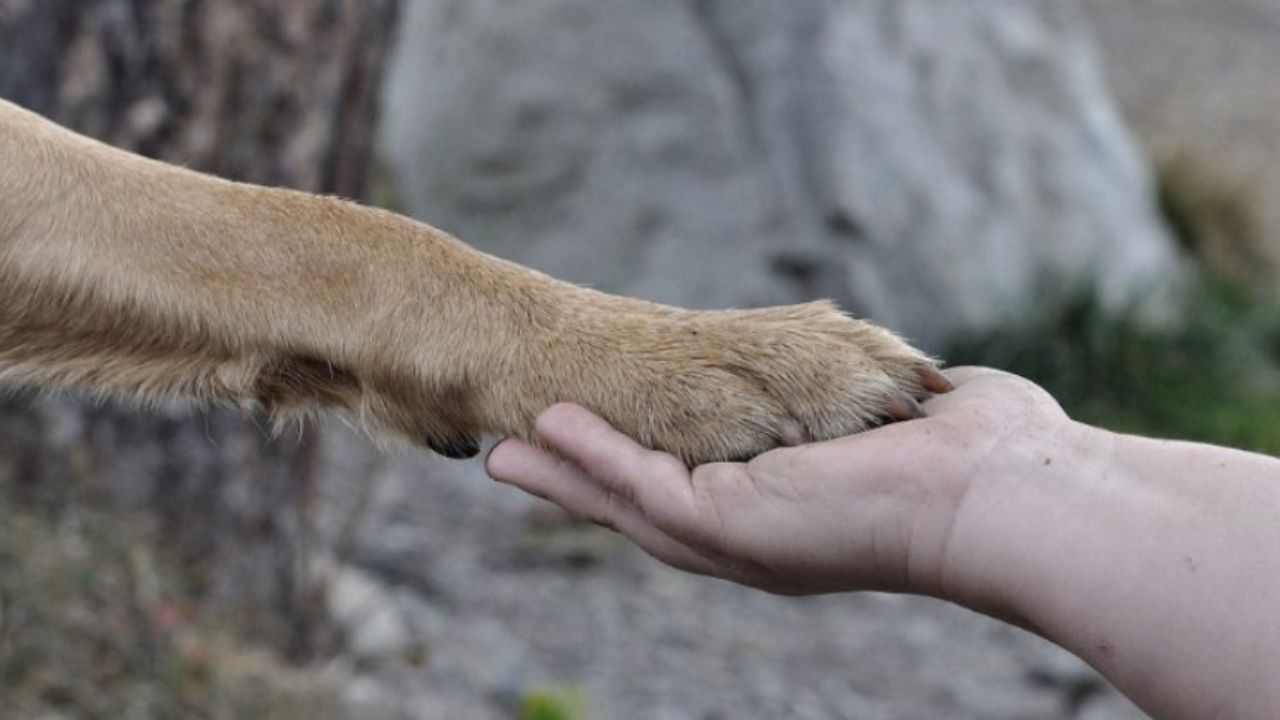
(714, 386)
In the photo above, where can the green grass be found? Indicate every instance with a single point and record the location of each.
(552, 704)
(1215, 378)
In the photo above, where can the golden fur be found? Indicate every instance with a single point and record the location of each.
(127, 276)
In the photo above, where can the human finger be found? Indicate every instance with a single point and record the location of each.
(658, 483)
(539, 473)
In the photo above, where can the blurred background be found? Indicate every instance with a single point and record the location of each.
(1082, 191)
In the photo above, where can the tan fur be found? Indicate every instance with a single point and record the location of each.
(127, 276)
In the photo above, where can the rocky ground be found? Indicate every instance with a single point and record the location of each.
(461, 597)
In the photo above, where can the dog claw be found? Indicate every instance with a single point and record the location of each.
(905, 408)
(792, 433)
(461, 448)
(935, 382)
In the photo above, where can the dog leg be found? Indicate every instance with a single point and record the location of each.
(127, 276)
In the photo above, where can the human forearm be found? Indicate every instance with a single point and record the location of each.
(1157, 562)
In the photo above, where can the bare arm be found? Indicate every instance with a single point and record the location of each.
(1156, 562)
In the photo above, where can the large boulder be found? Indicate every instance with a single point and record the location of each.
(943, 167)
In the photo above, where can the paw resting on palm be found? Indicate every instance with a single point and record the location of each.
(714, 386)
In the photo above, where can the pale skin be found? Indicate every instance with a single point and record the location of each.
(1157, 562)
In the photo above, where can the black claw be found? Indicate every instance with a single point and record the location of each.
(456, 448)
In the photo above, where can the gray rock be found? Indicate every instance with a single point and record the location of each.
(942, 166)
(376, 622)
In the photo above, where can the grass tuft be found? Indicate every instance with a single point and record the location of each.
(1215, 378)
(552, 704)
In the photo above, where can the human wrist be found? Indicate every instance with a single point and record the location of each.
(1024, 508)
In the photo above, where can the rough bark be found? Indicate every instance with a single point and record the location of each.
(278, 92)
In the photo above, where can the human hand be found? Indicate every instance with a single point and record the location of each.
(1152, 560)
(875, 511)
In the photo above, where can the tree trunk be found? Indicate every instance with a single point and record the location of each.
(278, 92)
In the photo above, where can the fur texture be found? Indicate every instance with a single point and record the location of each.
(127, 276)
